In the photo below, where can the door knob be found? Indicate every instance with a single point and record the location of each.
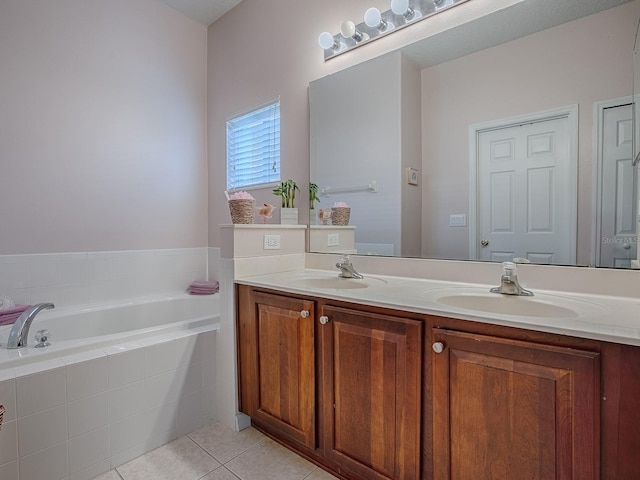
(438, 347)
(484, 243)
(304, 313)
(324, 319)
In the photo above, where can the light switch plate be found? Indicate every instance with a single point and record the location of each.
(333, 239)
(271, 242)
(458, 220)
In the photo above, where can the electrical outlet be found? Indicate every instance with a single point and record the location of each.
(458, 220)
(333, 239)
(271, 242)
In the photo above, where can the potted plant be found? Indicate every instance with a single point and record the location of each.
(287, 191)
(313, 198)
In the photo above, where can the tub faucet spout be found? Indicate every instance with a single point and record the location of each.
(20, 331)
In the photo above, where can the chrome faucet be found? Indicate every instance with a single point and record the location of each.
(509, 284)
(20, 331)
(346, 268)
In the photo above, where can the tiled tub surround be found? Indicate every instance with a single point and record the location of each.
(76, 412)
(86, 278)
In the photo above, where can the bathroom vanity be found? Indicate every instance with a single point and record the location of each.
(375, 388)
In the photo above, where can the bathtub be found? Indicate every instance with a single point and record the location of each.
(74, 330)
(116, 382)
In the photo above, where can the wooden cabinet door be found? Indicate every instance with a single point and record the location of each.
(370, 368)
(506, 409)
(277, 364)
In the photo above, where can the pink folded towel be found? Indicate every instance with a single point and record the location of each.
(10, 315)
(203, 287)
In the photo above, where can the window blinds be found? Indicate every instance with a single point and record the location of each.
(253, 148)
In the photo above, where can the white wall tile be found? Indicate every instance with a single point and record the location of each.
(92, 471)
(42, 430)
(209, 407)
(126, 434)
(125, 366)
(40, 391)
(8, 442)
(193, 379)
(187, 351)
(87, 414)
(161, 358)
(70, 279)
(162, 420)
(209, 374)
(74, 270)
(44, 270)
(87, 378)
(49, 464)
(128, 454)
(9, 470)
(165, 387)
(126, 400)
(190, 414)
(14, 271)
(8, 398)
(88, 449)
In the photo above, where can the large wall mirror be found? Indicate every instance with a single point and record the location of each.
(510, 137)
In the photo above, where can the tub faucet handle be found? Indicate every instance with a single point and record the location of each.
(42, 338)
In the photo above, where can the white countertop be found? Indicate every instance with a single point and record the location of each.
(599, 317)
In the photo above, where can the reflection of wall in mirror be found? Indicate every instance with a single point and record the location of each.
(581, 62)
(355, 131)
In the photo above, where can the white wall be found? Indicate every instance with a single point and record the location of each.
(581, 62)
(356, 131)
(102, 127)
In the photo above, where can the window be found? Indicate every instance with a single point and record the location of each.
(253, 148)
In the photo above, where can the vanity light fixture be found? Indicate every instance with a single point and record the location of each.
(377, 24)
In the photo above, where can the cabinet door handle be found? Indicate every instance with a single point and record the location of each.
(304, 313)
(324, 319)
(438, 347)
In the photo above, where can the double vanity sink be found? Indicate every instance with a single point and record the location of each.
(602, 318)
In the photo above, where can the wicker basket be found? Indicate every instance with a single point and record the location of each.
(340, 215)
(242, 211)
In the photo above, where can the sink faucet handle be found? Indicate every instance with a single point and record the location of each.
(509, 268)
(345, 259)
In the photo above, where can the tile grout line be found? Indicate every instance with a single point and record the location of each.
(263, 440)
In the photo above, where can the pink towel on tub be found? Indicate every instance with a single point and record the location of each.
(202, 287)
(10, 315)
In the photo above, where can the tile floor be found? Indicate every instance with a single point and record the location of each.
(217, 453)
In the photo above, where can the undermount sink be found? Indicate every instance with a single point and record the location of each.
(333, 282)
(508, 305)
(540, 305)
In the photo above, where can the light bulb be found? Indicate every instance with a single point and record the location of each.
(399, 7)
(373, 19)
(348, 30)
(326, 41)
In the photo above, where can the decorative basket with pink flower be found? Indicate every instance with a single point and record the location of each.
(340, 213)
(242, 207)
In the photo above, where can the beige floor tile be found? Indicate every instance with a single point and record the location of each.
(225, 444)
(319, 474)
(270, 461)
(181, 459)
(220, 474)
(110, 475)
